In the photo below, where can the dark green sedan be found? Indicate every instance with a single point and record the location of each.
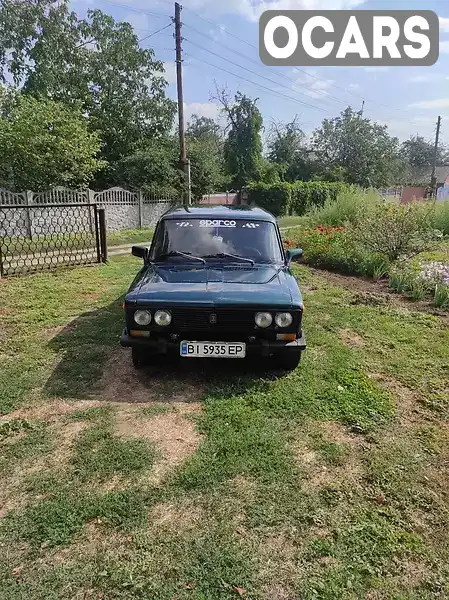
(215, 283)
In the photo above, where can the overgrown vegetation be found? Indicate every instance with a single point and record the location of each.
(286, 198)
(362, 234)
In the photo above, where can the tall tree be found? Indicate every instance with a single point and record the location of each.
(45, 143)
(204, 127)
(419, 152)
(362, 151)
(205, 150)
(96, 62)
(287, 148)
(154, 166)
(243, 146)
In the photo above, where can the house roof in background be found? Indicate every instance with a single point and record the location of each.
(425, 175)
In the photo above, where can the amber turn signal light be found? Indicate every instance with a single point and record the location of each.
(286, 337)
(139, 333)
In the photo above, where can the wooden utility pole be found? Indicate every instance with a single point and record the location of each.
(433, 182)
(363, 108)
(185, 165)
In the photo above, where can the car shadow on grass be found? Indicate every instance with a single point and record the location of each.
(92, 365)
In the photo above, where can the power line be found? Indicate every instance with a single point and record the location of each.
(154, 32)
(297, 68)
(279, 94)
(258, 64)
(257, 74)
(320, 92)
(134, 9)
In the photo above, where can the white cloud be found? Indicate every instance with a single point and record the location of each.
(444, 23)
(252, 10)
(138, 20)
(170, 72)
(444, 47)
(202, 109)
(423, 78)
(373, 69)
(437, 103)
(353, 87)
(219, 33)
(309, 86)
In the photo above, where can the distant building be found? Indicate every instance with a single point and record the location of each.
(424, 176)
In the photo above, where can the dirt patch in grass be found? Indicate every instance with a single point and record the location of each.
(410, 409)
(50, 411)
(122, 383)
(93, 540)
(276, 591)
(175, 437)
(66, 436)
(181, 515)
(12, 494)
(351, 338)
(338, 434)
(320, 475)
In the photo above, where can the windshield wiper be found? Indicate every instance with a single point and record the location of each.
(227, 255)
(178, 253)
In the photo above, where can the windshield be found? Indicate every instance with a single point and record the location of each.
(224, 239)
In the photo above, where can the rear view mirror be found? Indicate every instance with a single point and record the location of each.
(140, 252)
(294, 254)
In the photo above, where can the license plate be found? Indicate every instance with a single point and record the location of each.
(212, 350)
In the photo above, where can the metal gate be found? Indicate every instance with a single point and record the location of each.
(45, 236)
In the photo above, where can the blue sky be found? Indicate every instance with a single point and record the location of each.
(222, 35)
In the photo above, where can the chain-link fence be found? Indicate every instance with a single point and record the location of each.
(43, 236)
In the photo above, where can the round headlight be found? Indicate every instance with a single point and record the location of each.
(283, 319)
(162, 318)
(263, 319)
(142, 317)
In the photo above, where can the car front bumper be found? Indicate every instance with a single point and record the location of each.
(260, 347)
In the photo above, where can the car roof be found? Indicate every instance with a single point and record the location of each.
(251, 213)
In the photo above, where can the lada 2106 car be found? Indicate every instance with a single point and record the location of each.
(215, 283)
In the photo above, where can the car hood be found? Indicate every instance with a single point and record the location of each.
(214, 285)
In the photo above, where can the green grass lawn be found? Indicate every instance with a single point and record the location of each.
(217, 481)
(130, 236)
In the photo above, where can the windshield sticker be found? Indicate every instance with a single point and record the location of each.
(217, 223)
(251, 225)
(225, 223)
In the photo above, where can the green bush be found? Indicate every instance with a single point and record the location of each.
(274, 197)
(307, 195)
(334, 248)
(399, 280)
(395, 231)
(287, 198)
(441, 217)
(441, 296)
(345, 208)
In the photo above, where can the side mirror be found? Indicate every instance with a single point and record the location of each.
(140, 252)
(294, 254)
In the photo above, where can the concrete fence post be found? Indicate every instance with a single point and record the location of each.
(140, 198)
(28, 220)
(91, 200)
